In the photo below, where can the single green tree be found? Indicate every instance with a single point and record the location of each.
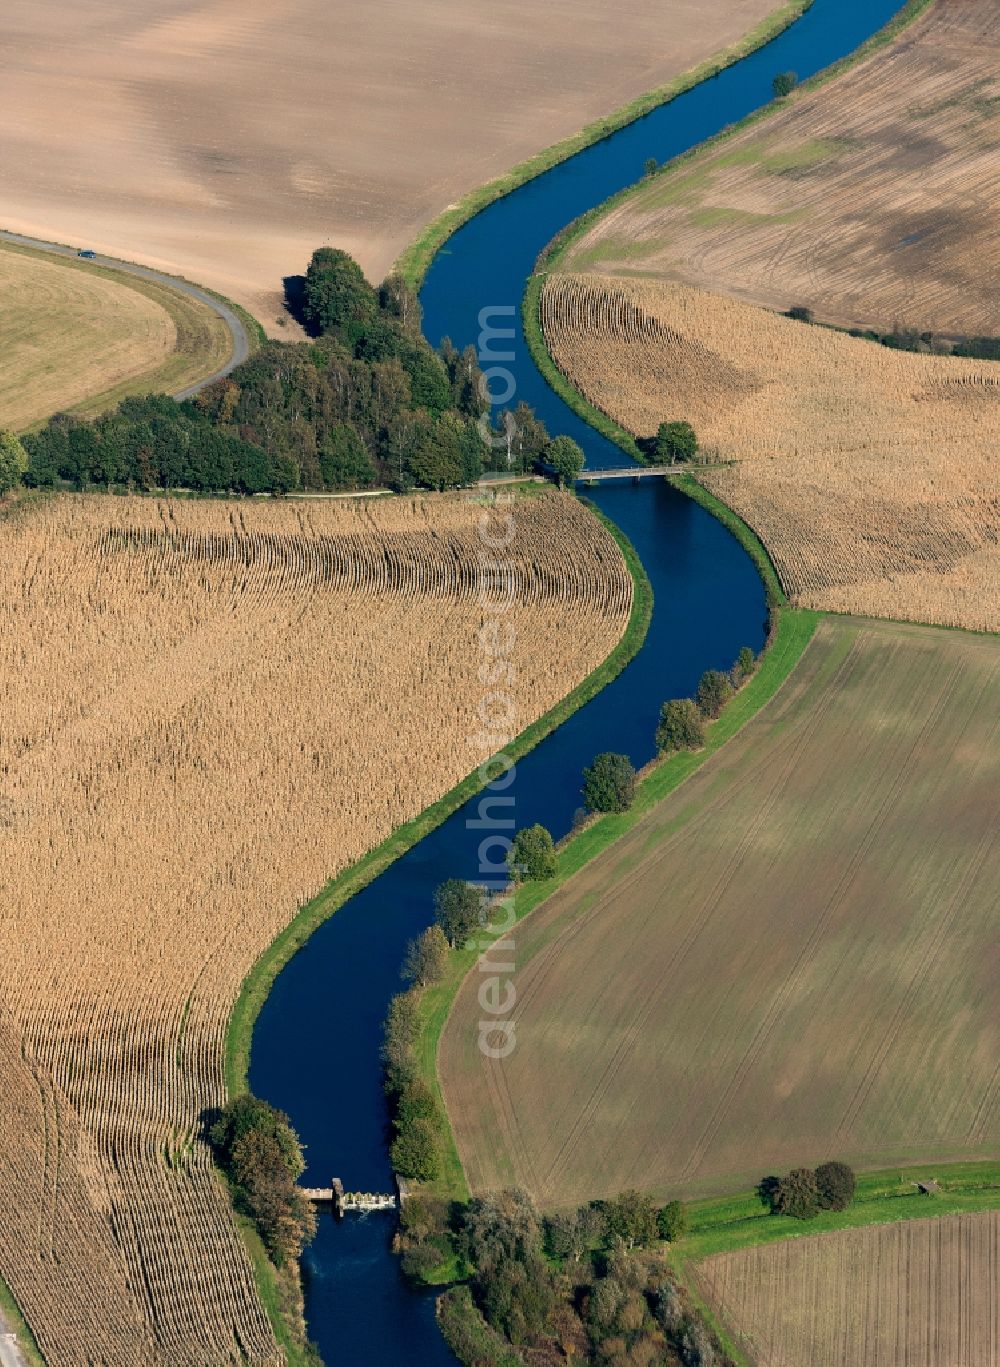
(783, 84)
(609, 783)
(459, 909)
(681, 726)
(344, 459)
(714, 691)
(746, 663)
(565, 459)
(650, 165)
(13, 461)
(672, 1220)
(675, 441)
(336, 294)
(797, 1194)
(835, 1183)
(532, 855)
(416, 1151)
(426, 957)
(631, 1217)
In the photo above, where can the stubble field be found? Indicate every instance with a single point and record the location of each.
(79, 338)
(923, 1293)
(224, 141)
(869, 474)
(871, 199)
(791, 958)
(210, 709)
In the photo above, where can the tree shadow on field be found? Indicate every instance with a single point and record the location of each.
(295, 295)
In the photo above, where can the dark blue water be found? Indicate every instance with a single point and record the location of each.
(315, 1050)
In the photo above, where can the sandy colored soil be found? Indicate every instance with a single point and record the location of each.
(79, 338)
(217, 707)
(791, 958)
(224, 141)
(870, 474)
(922, 1293)
(871, 200)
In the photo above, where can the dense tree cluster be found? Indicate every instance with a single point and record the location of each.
(260, 1153)
(588, 1285)
(366, 402)
(804, 1192)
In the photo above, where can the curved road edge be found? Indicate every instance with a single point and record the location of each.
(237, 328)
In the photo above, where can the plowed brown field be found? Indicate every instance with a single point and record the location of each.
(871, 199)
(870, 474)
(923, 1293)
(224, 140)
(791, 958)
(208, 710)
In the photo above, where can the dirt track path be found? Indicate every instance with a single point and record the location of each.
(237, 330)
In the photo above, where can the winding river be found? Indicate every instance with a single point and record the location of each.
(315, 1048)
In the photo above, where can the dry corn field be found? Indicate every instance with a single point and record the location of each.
(871, 199)
(870, 474)
(209, 709)
(921, 1293)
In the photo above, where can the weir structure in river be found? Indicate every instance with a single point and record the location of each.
(342, 1201)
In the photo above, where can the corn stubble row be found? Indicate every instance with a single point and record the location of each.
(209, 710)
(870, 474)
(920, 1292)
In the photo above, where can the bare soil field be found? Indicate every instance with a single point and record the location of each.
(224, 142)
(78, 338)
(218, 706)
(869, 474)
(871, 199)
(791, 958)
(922, 1293)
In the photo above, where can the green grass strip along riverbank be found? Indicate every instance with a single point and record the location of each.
(729, 1223)
(793, 632)
(415, 261)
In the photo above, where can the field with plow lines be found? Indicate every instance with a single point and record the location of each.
(923, 1293)
(869, 474)
(209, 710)
(870, 199)
(791, 958)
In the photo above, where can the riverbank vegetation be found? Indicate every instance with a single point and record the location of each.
(366, 403)
(80, 337)
(175, 673)
(867, 472)
(682, 1089)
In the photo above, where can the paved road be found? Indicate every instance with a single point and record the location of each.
(10, 1353)
(232, 320)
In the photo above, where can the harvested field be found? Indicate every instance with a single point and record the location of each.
(209, 709)
(923, 1293)
(791, 958)
(869, 474)
(224, 142)
(76, 337)
(871, 199)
